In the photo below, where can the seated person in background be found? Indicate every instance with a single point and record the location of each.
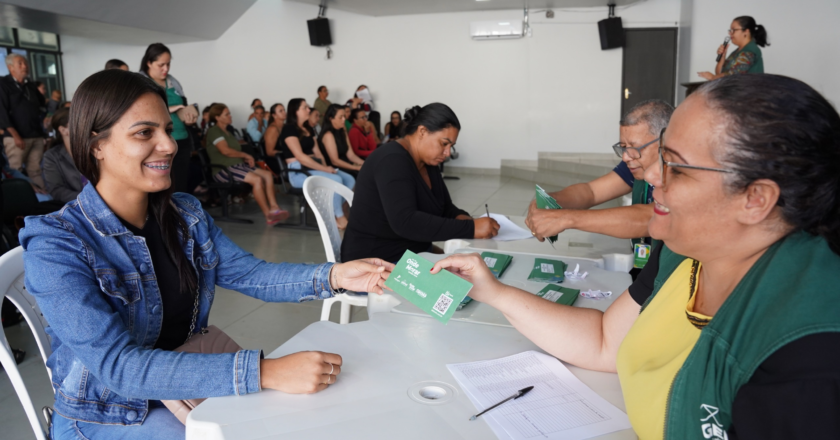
(401, 201)
(276, 119)
(254, 104)
(315, 120)
(334, 140)
(734, 324)
(348, 109)
(300, 149)
(639, 134)
(361, 134)
(116, 64)
(54, 102)
(257, 125)
(41, 87)
(225, 150)
(64, 181)
(392, 128)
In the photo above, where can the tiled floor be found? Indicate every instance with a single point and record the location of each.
(251, 322)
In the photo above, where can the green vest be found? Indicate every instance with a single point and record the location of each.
(642, 192)
(757, 65)
(790, 292)
(179, 130)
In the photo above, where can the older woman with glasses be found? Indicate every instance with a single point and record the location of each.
(733, 328)
(747, 36)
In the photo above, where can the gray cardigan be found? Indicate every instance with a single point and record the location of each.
(64, 181)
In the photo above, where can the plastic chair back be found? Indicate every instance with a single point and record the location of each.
(11, 286)
(319, 192)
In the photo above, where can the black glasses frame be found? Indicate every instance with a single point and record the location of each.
(664, 163)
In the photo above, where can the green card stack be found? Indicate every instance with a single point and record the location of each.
(545, 201)
(547, 271)
(559, 294)
(497, 263)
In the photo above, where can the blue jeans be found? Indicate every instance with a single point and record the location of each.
(296, 179)
(159, 424)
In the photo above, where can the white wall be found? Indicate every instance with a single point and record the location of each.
(554, 91)
(804, 37)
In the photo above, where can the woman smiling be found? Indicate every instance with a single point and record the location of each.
(732, 330)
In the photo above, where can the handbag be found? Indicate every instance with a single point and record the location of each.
(210, 340)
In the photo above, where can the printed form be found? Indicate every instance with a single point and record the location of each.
(559, 407)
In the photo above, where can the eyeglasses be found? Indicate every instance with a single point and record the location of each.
(664, 163)
(732, 31)
(632, 152)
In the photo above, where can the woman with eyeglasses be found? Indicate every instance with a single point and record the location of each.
(747, 36)
(732, 330)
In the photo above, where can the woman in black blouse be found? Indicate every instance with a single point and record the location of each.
(334, 140)
(401, 201)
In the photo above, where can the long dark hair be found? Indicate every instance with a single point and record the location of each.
(394, 132)
(435, 117)
(61, 118)
(153, 52)
(759, 34)
(327, 127)
(292, 119)
(779, 128)
(271, 113)
(99, 103)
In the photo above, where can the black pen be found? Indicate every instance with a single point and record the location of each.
(487, 209)
(518, 394)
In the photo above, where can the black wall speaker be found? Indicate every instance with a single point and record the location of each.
(612, 33)
(319, 31)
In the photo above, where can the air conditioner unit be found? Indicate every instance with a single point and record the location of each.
(496, 30)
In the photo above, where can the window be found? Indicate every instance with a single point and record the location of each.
(42, 51)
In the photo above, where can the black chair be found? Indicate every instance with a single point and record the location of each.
(208, 170)
(281, 169)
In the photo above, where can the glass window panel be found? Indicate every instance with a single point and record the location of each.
(7, 36)
(4, 70)
(45, 68)
(37, 40)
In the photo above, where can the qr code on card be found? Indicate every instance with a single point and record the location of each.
(442, 304)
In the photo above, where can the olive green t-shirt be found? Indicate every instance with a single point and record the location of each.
(215, 135)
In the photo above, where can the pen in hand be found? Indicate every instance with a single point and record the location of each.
(518, 394)
(487, 209)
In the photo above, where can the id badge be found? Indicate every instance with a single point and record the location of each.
(641, 255)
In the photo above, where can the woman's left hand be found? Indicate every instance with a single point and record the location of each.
(361, 275)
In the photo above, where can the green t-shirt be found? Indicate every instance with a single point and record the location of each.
(179, 130)
(215, 135)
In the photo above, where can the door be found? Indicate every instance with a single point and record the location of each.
(649, 68)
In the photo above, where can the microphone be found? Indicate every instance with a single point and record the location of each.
(725, 44)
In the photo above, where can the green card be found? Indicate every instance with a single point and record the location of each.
(545, 201)
(559, 294)
(547, 271)
(438, 294)
(497, 263)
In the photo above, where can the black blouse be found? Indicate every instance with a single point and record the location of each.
(394, 210)
(340, 146)
(307, 143)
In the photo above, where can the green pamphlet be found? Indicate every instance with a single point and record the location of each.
(434, 294)
(559, 294)
(497, 263)
(545, 201)
(547, 271)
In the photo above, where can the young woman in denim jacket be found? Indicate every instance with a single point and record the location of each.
(95, 280)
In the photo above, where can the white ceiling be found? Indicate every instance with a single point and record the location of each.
(126, 21)
(378, 8)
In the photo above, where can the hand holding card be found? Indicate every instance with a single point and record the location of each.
(436, 293)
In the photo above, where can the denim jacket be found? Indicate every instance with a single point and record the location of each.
(96, 286)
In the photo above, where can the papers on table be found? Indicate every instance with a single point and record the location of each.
(559, 407)
(509, 230)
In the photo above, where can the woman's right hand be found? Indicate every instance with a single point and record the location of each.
(249, 160)
(722, 49)
(486, 227)
(305, 372)
(473, 269)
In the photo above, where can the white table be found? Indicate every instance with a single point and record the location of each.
(517, 275)
(570, 243)
(385, 360)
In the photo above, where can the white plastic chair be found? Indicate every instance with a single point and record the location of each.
(12, 287)
(319, 192)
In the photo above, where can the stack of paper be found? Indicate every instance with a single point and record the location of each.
(497, 263)
(559, 407)
(547, 271)
(559, 294)
(545, 201)
(508, 230)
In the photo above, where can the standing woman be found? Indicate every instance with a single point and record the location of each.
(126, 273)
(155, 64)
(747, 36)
(333, 138)
(300, 149)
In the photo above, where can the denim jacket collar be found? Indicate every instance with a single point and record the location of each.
(106, 223)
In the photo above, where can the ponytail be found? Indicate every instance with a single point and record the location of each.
(760, 36)
(757, 31)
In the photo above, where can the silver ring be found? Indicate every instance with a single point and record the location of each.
(332, 368)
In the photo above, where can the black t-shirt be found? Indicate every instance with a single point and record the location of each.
(307, 143)
(394, 210)
(340, 147)
(177, 306)
(794, 393)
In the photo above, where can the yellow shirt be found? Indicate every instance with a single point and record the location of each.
(655, 349)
